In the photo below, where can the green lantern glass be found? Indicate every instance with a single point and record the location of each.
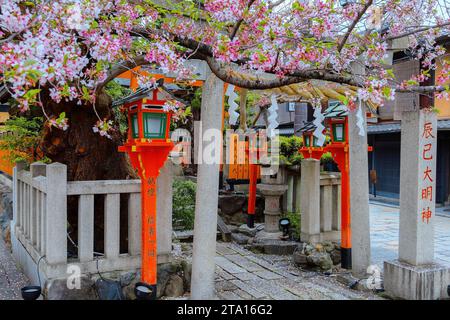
(339, 132)
(306, 140)
(134, 125)
(154, 125)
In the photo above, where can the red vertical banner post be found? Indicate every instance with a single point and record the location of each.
(150, 160)
(221, 177)
(256, 148)
(149, 237)
(346, 225)
(253, 176)
(340, 151)
(346, 230)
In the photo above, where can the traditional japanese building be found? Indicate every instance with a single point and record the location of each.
(384, 133)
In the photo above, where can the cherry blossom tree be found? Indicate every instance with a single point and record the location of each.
(59, 55)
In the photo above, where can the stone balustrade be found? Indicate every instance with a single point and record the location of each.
(317, 196)
(39, 226)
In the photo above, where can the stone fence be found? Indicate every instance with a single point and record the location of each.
(317, 196)
(39, 227)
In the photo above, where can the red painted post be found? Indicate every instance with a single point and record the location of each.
(148, 151)
(339, 151)
(256, 147)
(253, 176)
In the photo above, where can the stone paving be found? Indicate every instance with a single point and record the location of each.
(384, 226)
(241, 274)
(11, 278)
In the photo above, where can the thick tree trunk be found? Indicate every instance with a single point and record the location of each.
(88, 156)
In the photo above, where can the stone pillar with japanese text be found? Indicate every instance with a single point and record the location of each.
(418, 187)
(415, 275)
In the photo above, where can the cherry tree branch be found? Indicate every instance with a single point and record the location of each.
(276, 4)
(353, 25)
(418, 31)
(225, 72)
(238, 24)
(226, 75)
(121, 68)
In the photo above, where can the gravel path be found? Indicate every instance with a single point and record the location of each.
(11, 278)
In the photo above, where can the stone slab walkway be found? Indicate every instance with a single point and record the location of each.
(11, 278)
(243, 275)
(384, 228)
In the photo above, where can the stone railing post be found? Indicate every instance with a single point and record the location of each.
(298, 183)
(326, 205)
(310, 201)
(16, 215)
(329, 207)
(36, 169)
(164, 211)
(290, 193)
(56, 210)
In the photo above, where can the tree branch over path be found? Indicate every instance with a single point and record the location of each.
(225, 72)
(423, 29)
(353, 25)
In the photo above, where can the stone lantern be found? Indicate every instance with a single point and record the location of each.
(272, 187)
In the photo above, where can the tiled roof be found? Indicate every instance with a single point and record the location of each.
(308, 126)
(286, 131)
(393, 127)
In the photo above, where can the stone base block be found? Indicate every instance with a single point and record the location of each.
(310, 238)
(333, 236)
(271, 222)
(263, 236)
(275, 247)
(427, 282)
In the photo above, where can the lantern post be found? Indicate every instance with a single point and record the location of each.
(148, 146)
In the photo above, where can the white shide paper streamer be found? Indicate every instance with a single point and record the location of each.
(360, 120)
(318, 122)
(273, 116)
(232, 96)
